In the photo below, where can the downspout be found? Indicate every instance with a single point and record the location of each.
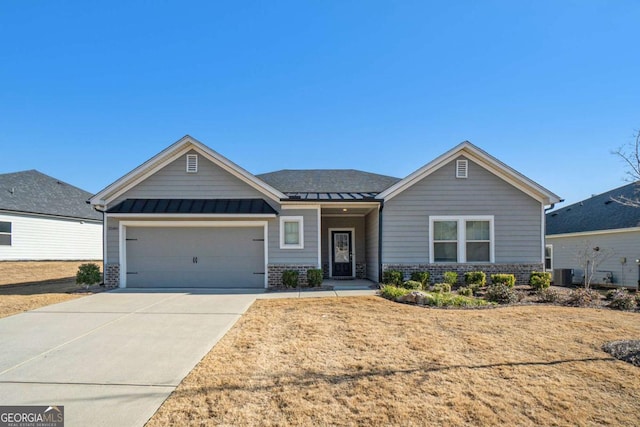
(380, 241)
(104, 242)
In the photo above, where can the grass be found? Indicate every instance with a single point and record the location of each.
(368, 361)
(16, 272)
(16, 299)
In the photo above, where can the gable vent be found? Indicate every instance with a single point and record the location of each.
(192, 163)
(462, 168)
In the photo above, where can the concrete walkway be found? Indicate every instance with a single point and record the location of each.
(112, 358)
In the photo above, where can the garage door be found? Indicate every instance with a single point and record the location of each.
(217, 257)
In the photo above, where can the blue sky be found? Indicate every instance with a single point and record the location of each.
(90, 90)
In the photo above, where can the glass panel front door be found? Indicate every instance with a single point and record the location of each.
(342, 253)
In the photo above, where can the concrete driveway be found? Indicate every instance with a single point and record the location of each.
(111, 359)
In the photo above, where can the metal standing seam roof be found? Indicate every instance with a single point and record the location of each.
(193, 206)
(599, 212)
(36, 193)
(331, 197)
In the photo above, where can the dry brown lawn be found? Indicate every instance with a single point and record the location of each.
(17, 272)
(367, 361)
(16, 299)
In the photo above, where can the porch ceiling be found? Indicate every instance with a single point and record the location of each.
(347, 210)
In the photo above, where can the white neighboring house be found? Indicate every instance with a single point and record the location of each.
(598, 223)
(44, 219)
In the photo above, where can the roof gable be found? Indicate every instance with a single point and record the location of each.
(172, 153)
(483, 159)
(596, 213)
(34, 192)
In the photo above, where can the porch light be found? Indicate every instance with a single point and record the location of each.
(344, 209)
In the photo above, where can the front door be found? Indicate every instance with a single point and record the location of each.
(342, 254)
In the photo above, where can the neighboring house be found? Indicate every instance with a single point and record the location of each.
(190, 217)
(598, 222)
(44, 219)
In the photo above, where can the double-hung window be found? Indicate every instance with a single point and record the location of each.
(5, 233)
(291, 232)
(464, 239)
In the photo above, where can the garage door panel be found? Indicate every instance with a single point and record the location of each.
(195, 257)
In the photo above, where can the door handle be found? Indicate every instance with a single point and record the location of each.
(195, 259)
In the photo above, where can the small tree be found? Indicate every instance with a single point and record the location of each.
(590, 257)
(88, 274)
(630, 155)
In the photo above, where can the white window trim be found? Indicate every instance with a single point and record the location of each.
(462, 237)
(10, 234)
(190, 158)
(300, 221)
(550, 246)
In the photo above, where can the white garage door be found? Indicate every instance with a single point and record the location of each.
(174, 257)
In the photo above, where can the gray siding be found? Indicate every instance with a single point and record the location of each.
(371, 244)
(617, 245)
(344, 222)
(172, 181)
(307, 255)
(517, 216)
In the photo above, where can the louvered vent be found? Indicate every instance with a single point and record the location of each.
(192, 163)
(462, 168)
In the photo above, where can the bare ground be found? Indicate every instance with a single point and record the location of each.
(15, 299)
(19, 272)
(368, 361)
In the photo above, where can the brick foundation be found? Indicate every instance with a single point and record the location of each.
(521, 271)
(112, 275)
(275, 273)
(361, 270)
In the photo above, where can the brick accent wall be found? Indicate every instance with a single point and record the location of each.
(361, 270)
(275, 273)
(112, 275)
(521, 271)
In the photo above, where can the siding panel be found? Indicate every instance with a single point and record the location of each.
(307, 255)
(517, 216)
(37, 238)
(371, 222)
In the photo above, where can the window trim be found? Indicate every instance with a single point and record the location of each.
(462, 237)
(10, 233)
(550, 246)
(192, 158)
(300, 221)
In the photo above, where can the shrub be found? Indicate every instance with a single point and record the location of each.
(450, 277)
(392, 292)
(503, 279)
(451, 300)
(501, 293)
(638, 299)
(475, 278)
(548, 295)
(465, 291)
(314, 277)
(540, 280)
(442, 288)
(582, 297)
(290, 278)
(412, 284)
(621, 300)
(88, 274)
(422, 277)
(392, 277)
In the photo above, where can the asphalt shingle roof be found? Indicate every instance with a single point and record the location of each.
(327, 181)
(194, 206)
(599, 212)
(34, 192)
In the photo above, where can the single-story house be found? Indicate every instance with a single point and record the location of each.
(191, 217)
(45, 219)
(597, 223)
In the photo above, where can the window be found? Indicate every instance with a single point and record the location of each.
(192, 163)
(461, 239)
(291, 232)
(462, 168)
(548, 257)
(5, 233)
